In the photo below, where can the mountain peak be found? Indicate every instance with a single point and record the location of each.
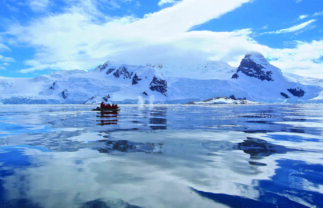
(106, 65)
(255, 65)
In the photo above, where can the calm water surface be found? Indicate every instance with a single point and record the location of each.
(66, 156)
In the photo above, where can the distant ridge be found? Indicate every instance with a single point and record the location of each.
(255, 80)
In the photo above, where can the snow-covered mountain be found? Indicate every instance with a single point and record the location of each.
(123, 83)
(255, 79)
(265, 82)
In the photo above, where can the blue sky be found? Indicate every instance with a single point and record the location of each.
(41, 36)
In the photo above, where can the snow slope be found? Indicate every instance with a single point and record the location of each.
(255, 79)
(202, 71)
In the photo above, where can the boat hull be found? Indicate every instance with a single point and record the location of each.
(106, 110)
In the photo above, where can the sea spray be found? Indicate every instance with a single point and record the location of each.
(141, 101)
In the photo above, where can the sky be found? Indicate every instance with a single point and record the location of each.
(41, 36)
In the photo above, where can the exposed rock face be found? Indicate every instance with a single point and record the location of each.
(91, 100)
(103, 66)
(110, 70)
(106, 98)
(158, 85)
(122, 72)
(53, 86)
(65, 93)
(139, 77)
(135, 79)
(233, 97)
(145, 93)
(297, 92)
(107, 67)
(235, 76)
(252, 68)
(284, 95)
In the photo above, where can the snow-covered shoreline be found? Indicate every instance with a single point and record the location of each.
(224, 100)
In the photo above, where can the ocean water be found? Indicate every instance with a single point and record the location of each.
(66, 156)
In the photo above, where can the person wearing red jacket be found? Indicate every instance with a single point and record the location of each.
(102, 105)
(108, 106)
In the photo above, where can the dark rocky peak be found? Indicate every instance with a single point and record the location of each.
(255, 65)
(122, 72)
(102, 66)
(110, 70)
(108, 67)
(159, 85)
(53, 86)
(106, 98)
(135, 79)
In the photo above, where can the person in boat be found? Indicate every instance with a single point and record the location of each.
(102, 105)
(114, 106)
(108, 106)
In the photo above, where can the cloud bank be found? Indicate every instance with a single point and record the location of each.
(82, 37)
(84, 41)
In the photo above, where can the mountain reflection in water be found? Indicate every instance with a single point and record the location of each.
(161, 156)
(259, 148)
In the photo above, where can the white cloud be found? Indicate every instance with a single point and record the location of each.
(3, 47)
(161, 37)
(163, 2)
(302, 16)
(301, 59)
(85, 42)
(38, 5)
(294, 28)
(5, 61)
